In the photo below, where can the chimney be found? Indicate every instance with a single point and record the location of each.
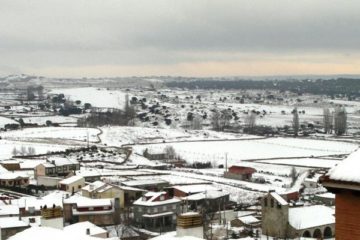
(117, 211)
(88, 231)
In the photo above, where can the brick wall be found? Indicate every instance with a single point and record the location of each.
(347, 214)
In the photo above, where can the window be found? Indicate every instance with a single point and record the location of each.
(278, 206)
(155, 209)
(162, 198)
(272, 203)
(265, 202)
(164, 208)
(139, 209)
(91, 208)
(174, 207)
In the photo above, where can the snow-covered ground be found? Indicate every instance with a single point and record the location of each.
(257, 149)
(97, 97)
(5, 120)
(7, 148)
(41, 120)
(70, 133)
(116, 136)
(305, 162)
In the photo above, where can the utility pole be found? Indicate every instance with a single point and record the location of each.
(87, 139)
(226, 165)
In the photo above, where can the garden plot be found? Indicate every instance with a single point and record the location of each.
(97, 97)
(217, 152)
(64, 133)
(11, 148)
(116, 136)
(304, 162)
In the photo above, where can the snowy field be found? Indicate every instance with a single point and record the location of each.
(116, 136)
(54, 119)
(7, 148)
(305, 162)
(256, 149)
(4, 121)
(97, 97)
(66, 133)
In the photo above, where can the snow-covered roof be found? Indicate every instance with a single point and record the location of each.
(249, 219)
(279, 199)
(150, 197)
(173, 236)
(89, 202)
(46, 233)
(144, 182)
(9, 210)
(196, 188)
(30, 164)
(348, 169)
(158, 214)
(326, 195)
(81, 227)
(312, 216)
(55, 197)
(12, 222)
(94, 186)
(48, 165)
(71, 180)
(207, 195)
(12, 175)
(60, 161)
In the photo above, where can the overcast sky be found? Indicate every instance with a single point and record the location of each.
(72, 38)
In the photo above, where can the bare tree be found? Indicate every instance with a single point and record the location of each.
(170, 152)
(31, 150)
(340, 121)
(14, 151)
(295, 122)
(250, 122)
(293, 176)
(215, 120)
(327, 120)
(196, 123)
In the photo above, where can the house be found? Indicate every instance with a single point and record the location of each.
(56, 166)
(48, 182)
(151, 154)
(72, 184)
(344, 181)
(208, 201)
(311, 182)
(156, 212)
(282, 221)
(11, 165)
(14, 179)
(100, 189)
(240, 172)
(10, 226)
(101, 212)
